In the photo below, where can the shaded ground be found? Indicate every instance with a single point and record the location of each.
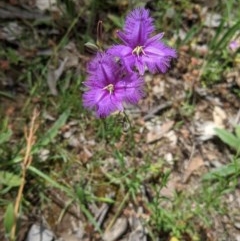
(153, 169)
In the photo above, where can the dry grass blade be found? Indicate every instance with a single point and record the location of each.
(30, 140)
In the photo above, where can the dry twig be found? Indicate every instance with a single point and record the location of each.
(30, 139)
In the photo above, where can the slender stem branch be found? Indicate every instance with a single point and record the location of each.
(30, 139)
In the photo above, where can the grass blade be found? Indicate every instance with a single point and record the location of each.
(53, 131)
(9, 218)
(49, 180)
(228, 138)
(9, 179)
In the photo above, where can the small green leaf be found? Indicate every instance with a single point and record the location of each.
(9, 218)
(53, 131)
(49, 179)
(237, 130)
(191, 33)
(5, 136)
(91, 47)
(7, 95)
(118, 22)
(221, 172)
(228, 138)
(9, 179)
(103, 199)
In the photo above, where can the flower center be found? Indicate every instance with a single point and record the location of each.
(138, 51)
(110, 88)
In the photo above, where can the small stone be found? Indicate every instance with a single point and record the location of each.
(73, 141)
(118, 229)
(139, 232)
(148, 78)
(39, 233)
(44, 154)
(237, 225)
(68, 134)
(237, 237)
(169, 158)
(213, 20)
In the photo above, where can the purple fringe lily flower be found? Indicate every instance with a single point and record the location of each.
(109, 87)
(139, 50)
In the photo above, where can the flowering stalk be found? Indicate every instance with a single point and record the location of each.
(114, 76)
(99, 35)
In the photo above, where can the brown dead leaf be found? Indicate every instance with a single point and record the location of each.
(185, 132)
(4, 65)
(54, 75)
(118, 229)
(219, 116)
(194, 164)
(158, 131)
(69, 237)
(173, 185)
(72, 55)
(234, 76)
(85, 155)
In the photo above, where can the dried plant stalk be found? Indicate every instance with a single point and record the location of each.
(27, 160)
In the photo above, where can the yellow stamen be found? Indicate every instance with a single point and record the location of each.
(110, 88)
(138, 50)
